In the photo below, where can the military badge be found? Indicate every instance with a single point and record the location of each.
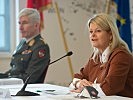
(41, 53)
(31, 42)
(26, 51)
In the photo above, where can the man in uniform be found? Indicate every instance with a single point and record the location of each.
(32, 55)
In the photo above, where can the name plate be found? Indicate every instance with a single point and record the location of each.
(10, 81)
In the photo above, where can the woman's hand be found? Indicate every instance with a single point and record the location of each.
(78, 90)
(81, 84)
(84, 83)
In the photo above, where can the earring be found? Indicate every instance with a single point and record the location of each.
(110, 44)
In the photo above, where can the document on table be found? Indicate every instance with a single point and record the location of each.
(57, 92)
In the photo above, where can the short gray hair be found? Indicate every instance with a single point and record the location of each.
(31, 13)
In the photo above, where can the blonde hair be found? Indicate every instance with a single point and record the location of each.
(107, 23)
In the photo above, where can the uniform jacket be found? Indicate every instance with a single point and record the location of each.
(115, 76)
(33, 57)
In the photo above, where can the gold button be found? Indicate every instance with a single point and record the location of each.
(22, 59)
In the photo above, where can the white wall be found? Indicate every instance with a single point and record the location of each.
(74, 15)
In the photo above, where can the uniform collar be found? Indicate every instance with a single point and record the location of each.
(31, 38)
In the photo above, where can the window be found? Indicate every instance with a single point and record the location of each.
(8, 27)
(5, 26)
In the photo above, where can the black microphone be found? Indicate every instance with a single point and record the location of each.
(22, 92)
(68, 54)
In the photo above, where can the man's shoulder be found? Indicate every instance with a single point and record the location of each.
(38, 43)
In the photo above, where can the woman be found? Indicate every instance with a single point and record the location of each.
(110, 68)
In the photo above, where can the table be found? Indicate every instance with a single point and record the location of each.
(51, 92)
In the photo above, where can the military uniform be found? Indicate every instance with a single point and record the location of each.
(32, 57)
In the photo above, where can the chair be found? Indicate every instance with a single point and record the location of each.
(42, 77)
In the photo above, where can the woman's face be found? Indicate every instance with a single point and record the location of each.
(99, 38)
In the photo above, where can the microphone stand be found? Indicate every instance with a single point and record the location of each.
(22, 92)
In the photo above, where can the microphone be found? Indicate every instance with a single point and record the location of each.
(68, 54)
(22, 92)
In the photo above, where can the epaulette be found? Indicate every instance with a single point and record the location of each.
(42, 40)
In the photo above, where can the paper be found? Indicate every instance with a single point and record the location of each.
(5, 93)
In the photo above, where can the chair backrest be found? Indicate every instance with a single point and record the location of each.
(42, 77)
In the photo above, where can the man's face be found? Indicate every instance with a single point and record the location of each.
(27, 28)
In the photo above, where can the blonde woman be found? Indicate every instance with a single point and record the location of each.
(110, 68)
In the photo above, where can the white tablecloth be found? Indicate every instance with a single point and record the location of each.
(51, 92)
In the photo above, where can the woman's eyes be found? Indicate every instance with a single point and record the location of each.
(95, 31)
(98, 30)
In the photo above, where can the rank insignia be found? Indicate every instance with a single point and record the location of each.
(31, 42)
(41, 53)
(42, 40)
(26, 51)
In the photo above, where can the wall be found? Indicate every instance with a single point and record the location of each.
(74, 16)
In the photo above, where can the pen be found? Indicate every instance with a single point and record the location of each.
(50, 90)
(46, 90)
(38, 91)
